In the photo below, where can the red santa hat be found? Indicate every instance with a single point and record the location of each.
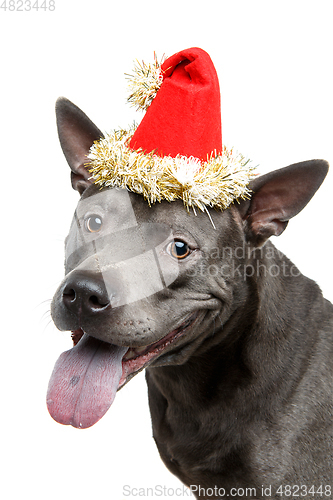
(185, 116)
(176, 152)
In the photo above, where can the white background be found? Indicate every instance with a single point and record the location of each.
(274, 63)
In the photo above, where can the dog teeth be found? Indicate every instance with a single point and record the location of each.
(141, 350)
(129, 355)
(133, 353)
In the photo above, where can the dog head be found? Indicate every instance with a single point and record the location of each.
(137, 291)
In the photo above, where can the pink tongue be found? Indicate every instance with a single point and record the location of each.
(84, 382)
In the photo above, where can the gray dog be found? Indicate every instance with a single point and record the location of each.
(236, 341)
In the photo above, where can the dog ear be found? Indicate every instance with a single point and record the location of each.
(278, 196)
(76, 134)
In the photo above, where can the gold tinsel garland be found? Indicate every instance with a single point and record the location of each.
(144, 83)
(217, 182)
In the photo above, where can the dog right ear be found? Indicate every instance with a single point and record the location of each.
(77, 134)
(278, 196)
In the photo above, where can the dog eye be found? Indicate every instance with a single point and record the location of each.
(93, 223)
(178, 249)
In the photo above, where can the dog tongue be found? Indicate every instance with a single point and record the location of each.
(84, 382)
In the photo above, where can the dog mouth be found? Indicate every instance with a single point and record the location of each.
(85, 379)
(135, 359)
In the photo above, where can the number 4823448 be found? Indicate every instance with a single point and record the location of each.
(27, 5)
(302, 491)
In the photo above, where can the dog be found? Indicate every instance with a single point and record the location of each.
(236, 342)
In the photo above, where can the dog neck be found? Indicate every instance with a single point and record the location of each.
(266, 347)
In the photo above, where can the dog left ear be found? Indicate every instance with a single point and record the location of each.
(77, 134)
(278, 196)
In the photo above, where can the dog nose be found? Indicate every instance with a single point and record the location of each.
(85, 294)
